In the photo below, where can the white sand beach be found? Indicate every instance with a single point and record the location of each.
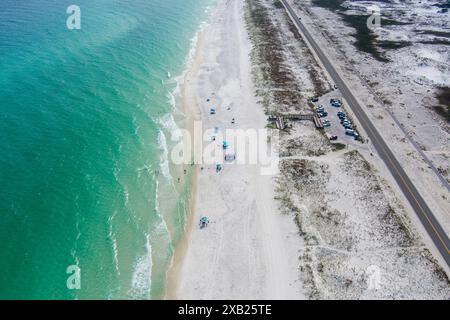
(249, 250)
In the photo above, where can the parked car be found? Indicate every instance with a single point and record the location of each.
(335, 103)
(322, 114)
(333, 138)
(349, 132)
(314, 99)
(356, 136)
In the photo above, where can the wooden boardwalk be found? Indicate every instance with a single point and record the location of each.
(280, 123)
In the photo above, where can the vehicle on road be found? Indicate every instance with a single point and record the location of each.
(335, 103)
(345, 122)
(326, 123)
(349, 132)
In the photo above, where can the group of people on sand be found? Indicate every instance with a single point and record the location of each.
(204, 221)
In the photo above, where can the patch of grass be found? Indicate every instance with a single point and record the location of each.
(443, 34)
(277, 4)
(443, 97)
(335, 5)
(436, 41)
(444, 112)
(267, 55)
(390, 22)
(318, 83)
(270, 69)
(445, 5)
(338, 146)
(365, 38)
(386, 101)
(393, 44)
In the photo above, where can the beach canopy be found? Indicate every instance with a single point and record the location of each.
(225, 144)
(230, 157)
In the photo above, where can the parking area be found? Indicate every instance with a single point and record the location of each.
(337, 122)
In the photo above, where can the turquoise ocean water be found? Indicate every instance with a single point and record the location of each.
(85, 121)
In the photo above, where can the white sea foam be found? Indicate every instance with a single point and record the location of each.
(141, 279)
(114, 243)
(172, 99)
(164, 156)
(168, 123)
(178, 81)
(162, 228)
(126, 195)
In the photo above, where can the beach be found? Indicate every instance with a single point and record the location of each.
(249, 250)
(307, 120)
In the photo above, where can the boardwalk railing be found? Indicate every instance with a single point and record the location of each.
(279, 119)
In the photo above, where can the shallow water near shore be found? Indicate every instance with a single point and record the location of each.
(85, 122)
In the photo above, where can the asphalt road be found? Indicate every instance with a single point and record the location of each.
(430, 223)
